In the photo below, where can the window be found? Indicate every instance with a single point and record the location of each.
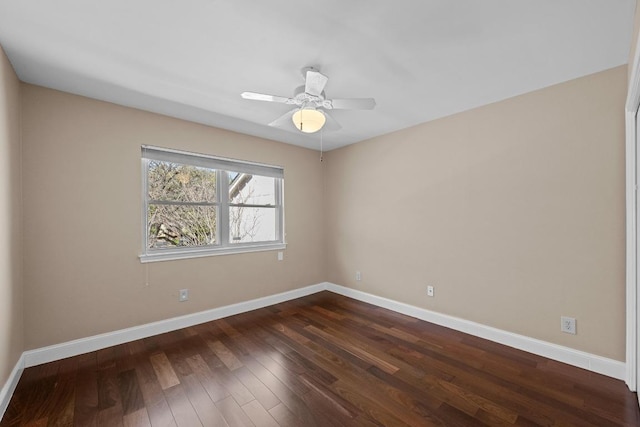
(197, 205)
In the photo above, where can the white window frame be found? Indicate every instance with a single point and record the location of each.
(221, 165)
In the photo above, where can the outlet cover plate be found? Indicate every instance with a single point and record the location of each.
(429, 291)
(184, 295)
(568, 325)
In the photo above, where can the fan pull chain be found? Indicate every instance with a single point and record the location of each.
(321, 153)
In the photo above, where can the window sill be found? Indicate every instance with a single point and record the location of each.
(200, 253)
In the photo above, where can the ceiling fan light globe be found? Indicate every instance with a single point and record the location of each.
(308, 120)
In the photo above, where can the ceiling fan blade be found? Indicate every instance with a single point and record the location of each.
(264, 97)
(284, 121)
(315, 82)
(352, 104)
(331, 124)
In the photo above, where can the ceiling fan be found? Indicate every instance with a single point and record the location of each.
(309, 114)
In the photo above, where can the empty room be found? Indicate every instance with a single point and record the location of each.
(339, 213)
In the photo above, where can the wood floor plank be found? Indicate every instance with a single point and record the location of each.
(233, 413)
(108, 391)
(270, 372)
(155, 402)
(164, 371)
(321, 360)
(284, 416)
(357, 351)
(259, 415)
(139, 418)
(111, 416)
(263, 395)
(86, 393)
(14, 415)
(285, 394)
(228, 358)
(207, 412)
(183, 412)
(214, 388)
(36, 396)
(335, 402)
(324, 411)
(375, 408)
(177, 354)
(234, 386)
(59, 404)
(42, 422)
(130, 393)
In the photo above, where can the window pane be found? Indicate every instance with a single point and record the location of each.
(252, 224)
(171, 226)
(181, 183)
(251, 189)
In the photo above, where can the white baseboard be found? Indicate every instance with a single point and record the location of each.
(10, 386)
(581, 359)
(591, 362)
(85, 345)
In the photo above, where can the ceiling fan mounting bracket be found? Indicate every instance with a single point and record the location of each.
(304, 70)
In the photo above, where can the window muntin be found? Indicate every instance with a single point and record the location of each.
(187, 214)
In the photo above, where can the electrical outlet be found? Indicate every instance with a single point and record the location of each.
(429, 291)
(568, 325)
(358, 276)
(184, 295)
(280, 256)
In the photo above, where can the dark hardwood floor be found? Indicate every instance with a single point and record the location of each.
(322, 360)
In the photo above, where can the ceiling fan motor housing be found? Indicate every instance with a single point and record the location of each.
(303, 98)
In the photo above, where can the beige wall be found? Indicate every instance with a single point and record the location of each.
(11, 307)
(82, 210)
(513, 211)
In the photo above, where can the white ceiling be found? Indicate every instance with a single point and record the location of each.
(420, 59)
